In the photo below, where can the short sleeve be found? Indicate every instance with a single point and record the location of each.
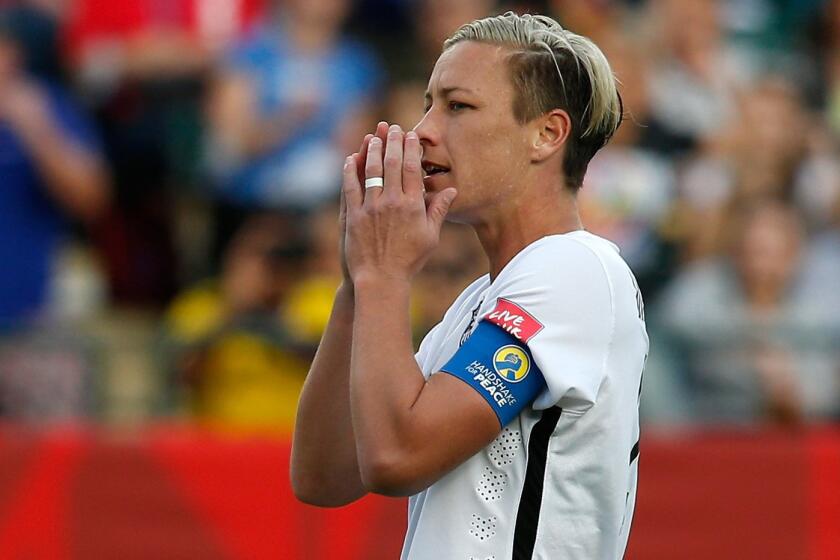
(557, 300)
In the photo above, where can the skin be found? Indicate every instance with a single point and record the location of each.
(367, 419)
(75, 178)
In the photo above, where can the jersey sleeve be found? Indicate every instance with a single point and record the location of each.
(555, 307)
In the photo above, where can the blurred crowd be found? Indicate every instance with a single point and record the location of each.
(169, 172)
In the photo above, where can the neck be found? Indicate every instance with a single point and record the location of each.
(531, 217)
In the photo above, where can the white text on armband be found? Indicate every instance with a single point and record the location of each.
(490, 381)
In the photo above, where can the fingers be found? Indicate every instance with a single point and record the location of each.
(439, 207)
(412, 168)
(361, 156)
(381, 132)
(373, 167)
(351, 188)
(393, 161)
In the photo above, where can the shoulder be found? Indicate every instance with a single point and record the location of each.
(561, 264)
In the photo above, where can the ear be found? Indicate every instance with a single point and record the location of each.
(551, 131)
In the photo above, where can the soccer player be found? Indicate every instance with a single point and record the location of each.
(514, 429)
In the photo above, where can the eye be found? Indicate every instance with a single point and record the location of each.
(456, 106)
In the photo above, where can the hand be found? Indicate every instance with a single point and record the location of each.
(359, 159)
(390, 230)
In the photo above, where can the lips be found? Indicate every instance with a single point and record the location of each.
(432, 169)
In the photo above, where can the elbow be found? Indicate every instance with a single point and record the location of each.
(312, 489)
(388, 474)
(311, 495)
(308, 491)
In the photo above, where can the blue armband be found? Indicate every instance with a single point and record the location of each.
(500, 367)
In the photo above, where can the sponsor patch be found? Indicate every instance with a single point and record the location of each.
(514, 320)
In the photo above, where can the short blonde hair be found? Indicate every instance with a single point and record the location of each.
(554, 68)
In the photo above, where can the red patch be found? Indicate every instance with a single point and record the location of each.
(514, 320)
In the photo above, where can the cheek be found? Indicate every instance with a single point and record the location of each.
(499, 160)
(486, 156)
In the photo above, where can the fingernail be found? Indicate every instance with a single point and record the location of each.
(348, 161)
(375, 140)
(410, 135)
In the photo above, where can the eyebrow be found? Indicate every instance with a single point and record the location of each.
(446, 91)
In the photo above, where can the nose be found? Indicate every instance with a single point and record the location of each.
(427, 130)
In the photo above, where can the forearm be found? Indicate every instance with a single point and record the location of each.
(324, 469)
(385, 380)
(75, 178)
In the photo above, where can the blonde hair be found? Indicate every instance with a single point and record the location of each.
(554, 68)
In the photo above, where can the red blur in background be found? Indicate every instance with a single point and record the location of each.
(181, 493)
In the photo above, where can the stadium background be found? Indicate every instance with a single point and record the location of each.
(152, 348)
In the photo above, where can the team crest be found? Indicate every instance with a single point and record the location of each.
(512, 363)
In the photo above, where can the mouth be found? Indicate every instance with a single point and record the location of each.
(432, 169)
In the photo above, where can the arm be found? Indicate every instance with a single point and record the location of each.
(74, 176)
(409, 432)
(324, 469)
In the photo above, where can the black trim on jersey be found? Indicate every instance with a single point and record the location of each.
(634, 452)
(528, 515)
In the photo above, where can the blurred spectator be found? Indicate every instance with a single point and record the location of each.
(724, 132)
(772, 149)
(149, 39)
(237, 363)
(309, 304)
(692, 84)
(775, 36)
(143, 66)
(754, 342)
(628, 190)
(288, 104)
(50, 164)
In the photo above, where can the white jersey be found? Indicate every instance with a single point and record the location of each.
(560, 480)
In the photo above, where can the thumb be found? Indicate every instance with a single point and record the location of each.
(439, 206)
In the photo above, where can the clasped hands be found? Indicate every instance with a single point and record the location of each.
(389, 231)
